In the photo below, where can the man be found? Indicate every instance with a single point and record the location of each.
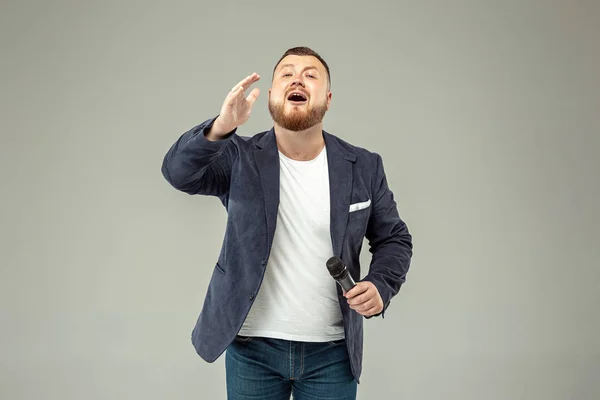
(295, 196)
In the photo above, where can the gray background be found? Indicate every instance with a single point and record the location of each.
(486, 114)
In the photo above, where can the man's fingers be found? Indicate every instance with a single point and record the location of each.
(246, 82)
(253, 96)
(360, 299)
(356, 290)
(363, 306)
(365, 300)
(236, 92)
(249, 80)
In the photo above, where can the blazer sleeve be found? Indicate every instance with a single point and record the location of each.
(196, 165)
(389, 240)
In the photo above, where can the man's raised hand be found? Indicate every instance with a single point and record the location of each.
(236, 108)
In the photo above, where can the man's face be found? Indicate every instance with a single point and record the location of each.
(299, 96)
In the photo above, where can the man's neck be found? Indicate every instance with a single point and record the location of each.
(302, 145)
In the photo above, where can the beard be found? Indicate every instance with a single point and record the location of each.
(297, 119)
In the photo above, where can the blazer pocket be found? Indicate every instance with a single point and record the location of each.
(360, 206)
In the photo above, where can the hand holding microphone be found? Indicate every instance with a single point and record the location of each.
(363, 297)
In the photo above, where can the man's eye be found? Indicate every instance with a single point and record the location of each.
(287, 74)
(311, 76)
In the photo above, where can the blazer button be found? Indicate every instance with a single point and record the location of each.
(263, 262)
(251, 296)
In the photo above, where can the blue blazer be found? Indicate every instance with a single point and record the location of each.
(243, 172)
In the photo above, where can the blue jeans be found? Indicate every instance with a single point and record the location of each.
(273, 369)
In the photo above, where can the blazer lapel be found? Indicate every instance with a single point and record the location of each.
(267, 161)
(340, 163)
(340, 185)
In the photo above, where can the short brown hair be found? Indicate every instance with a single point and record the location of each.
(304, 51)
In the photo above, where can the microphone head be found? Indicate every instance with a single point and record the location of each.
(336, 267)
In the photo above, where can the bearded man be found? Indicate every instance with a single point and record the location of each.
(296, 197)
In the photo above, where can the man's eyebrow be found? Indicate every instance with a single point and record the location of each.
(305, 68)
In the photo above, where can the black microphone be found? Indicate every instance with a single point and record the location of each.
(339, 272)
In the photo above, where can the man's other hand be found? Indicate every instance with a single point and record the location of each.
(364, 298)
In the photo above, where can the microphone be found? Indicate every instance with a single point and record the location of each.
(339, 272)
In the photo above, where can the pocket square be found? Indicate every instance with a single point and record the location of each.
(360, 206)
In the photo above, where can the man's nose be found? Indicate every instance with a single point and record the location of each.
(298, 82)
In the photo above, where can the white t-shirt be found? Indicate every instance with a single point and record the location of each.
(297, 299)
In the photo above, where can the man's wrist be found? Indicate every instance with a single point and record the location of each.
(217, 131)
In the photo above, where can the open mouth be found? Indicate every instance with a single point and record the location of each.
(297, 97)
